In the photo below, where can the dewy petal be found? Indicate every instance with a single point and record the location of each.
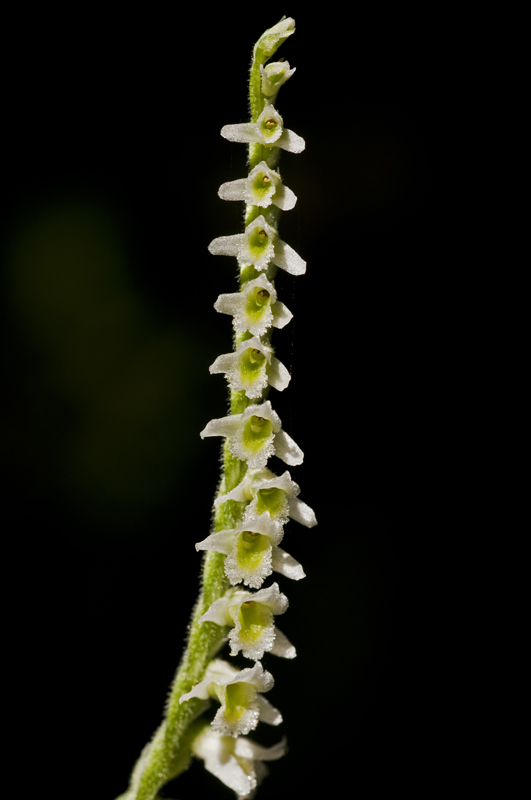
(226, 245)
(233, 190)
(291, 142)
(277, 375)
(282, 646)
(221, 611)
(281, 314)
(267, 712)
(287, 259)
(219, 542)
(287, 450)
(241, 493)
(285, 564)
(301, 512)
(224, 426)
(242, 132)
(284, 198)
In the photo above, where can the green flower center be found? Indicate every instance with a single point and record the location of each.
(272, 500)
(269, 127)
(254, 618)
(262, 186)
(238, 698)
(259, 241)
(250, 549)
(256, 432)
(251, 362)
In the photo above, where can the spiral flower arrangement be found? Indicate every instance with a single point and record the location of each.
(253, 504)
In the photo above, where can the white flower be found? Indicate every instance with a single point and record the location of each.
(271, 495)
(267, 130)
(239, 692)
(259, 245)
(236, 762)
(251, 368)
(274, 75)
(252, 552)
(256, 308)
(262, 187)
(255, 435)
(251, 619)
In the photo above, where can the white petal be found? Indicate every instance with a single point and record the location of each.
(287, 450)
(224, 426)
(286, 258)
(302, 513)
(200, 690)
(241, 493)
(228, 303)
(264, 410)
(272, 597)
(267, 712)
(249, 749)
(233, 190)
(282, 646)
(285, 564)
(226, 245)
(284, 198)
(219, 610)
(220, 542)
(242, 132)
(277, 375)
(257, 676)
(291, 142)
(223, 363)
(281, 314)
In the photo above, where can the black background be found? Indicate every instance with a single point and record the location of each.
(112, 165)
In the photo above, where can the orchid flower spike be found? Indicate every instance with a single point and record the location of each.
(252, 552)
(251, 368)
(255, 435)
(239, 692)
(261, 187)
(259, 246)
(267, 130)
(268, 494)
(236, 762)
(255, 308)
(250, 616)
